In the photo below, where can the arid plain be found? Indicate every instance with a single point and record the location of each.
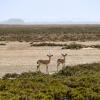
(18, 57)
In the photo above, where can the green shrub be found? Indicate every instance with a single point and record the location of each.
(8, 75)
(80, 82)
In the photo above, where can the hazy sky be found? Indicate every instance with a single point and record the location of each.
(50, 10)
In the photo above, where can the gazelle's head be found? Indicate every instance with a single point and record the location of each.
(64, 55)
(49, 56)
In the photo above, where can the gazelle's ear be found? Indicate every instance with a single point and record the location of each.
(50, 55)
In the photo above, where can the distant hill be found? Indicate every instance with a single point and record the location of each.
(13, 21)
(22, 22)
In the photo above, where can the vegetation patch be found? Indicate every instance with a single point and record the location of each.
(74, 46)
(65, 46)
(42, 33)
(81, 82)
(2, 44)
(95, 46)
(46, 44)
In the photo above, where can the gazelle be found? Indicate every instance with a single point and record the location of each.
(44, 62)
(61, 61)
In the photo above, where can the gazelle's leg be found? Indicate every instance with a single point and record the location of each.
(63, 65)
(38, 67)
(58, 66)
(47, 69)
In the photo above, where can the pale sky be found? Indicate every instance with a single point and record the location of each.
(50, 10)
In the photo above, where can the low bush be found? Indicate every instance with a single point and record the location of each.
(95, 46)
(8, 75)
(2, 43)
(73, 46)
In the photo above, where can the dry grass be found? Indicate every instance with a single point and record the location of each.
(50, 33)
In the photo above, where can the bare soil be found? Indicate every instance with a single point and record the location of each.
(18, 57)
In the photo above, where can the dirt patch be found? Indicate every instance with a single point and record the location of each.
(21, 57)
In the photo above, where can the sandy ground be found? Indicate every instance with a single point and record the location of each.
(19, 57)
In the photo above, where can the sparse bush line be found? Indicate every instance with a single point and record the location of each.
(46, 44)
(65, 46)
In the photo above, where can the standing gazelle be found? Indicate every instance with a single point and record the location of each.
(61, 61)
(44, 62)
